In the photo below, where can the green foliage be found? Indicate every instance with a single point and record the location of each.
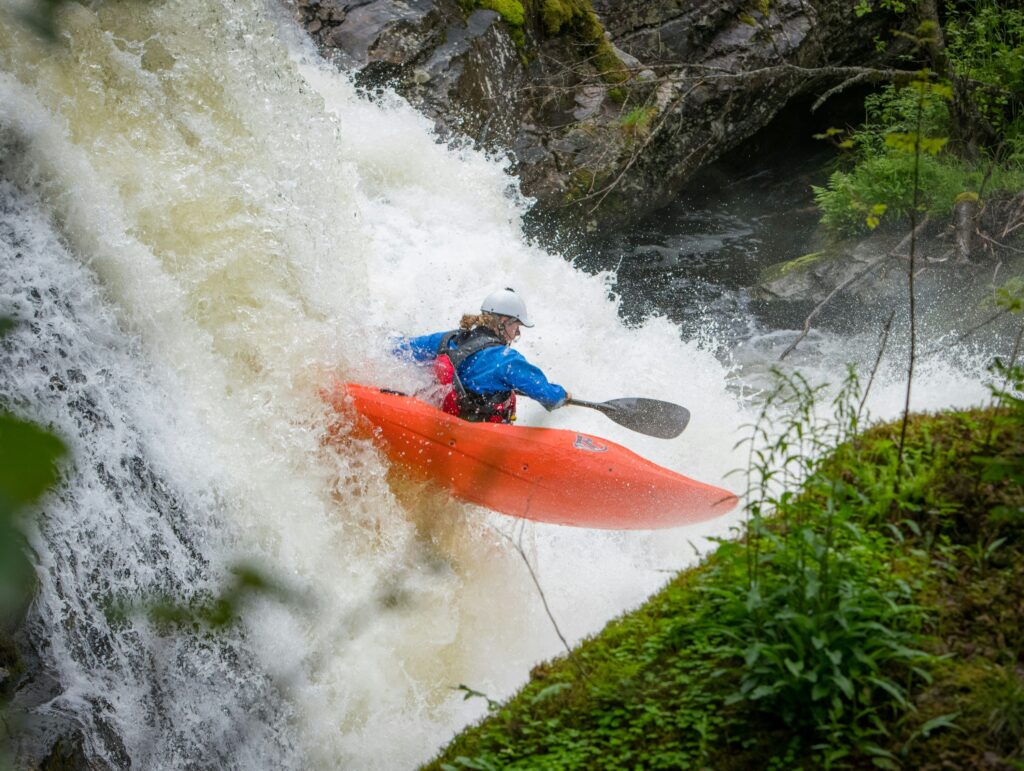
(834, 634)
(1010, 295)
(855, 200)
(1001, 704)
(864, 7)
(901, 136)
(824, 627)
(29, 456)
(985, 50)
(985, 43)
(206, 611)
(471, 693)
(637, 122)
(42, 17)
(29, 461)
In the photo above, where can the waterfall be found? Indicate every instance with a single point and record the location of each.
(200, 224)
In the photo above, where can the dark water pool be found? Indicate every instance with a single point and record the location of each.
(695, 260)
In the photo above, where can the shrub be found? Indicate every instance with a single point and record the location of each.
(824, 627)
(985, 50)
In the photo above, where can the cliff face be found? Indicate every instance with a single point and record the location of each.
(606, 108)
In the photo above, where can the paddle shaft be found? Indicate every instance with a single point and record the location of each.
(593, 405)
(646, 416)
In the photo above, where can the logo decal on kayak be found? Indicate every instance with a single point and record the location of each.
(588, 444)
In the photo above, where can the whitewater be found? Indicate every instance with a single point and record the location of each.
(200, 224)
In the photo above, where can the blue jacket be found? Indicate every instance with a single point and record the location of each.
(494, 369)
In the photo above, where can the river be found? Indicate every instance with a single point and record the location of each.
(200, 223)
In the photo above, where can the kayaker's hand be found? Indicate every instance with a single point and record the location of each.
(568, 398)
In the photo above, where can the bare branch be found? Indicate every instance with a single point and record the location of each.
(543, 598)
(878, 361)
(818, 308)
(1001, 246)
(848, 83)
(977, 327)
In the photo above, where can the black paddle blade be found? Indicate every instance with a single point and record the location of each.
(663, 420)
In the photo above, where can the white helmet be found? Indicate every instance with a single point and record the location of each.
(505, 302)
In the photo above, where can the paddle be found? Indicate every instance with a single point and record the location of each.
(646, 416)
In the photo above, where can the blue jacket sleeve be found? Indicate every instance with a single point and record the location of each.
(530, 381)
(422, 348)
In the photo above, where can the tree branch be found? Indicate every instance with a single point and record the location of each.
(518, 546)
(820, 306)
(878, 361)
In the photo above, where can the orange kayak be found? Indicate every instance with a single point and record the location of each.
(544, 474)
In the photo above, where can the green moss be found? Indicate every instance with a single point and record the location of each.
(557, 14)
(781, 269)
(608, 63)
(618, 94)
(577, 18)
(584, 182)
(636, 124)
(511, 11)
(553, 18)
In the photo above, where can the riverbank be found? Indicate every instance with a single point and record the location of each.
(875, 620)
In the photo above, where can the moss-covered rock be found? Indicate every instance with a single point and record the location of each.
(782, 269)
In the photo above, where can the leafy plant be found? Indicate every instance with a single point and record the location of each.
(966, 121)
(28, 467)
(985, 45)
(637, 122)
(1001, 703)
(29, 460)
(823, 627)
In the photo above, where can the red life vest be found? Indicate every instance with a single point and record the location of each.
(499, 407)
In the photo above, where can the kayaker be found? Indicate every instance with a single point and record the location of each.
(479, 372)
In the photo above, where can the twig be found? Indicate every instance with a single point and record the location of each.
(604, 193)
(991, 167)
(910, 291)
(1001, 246)
(1016, 216)
(969, 332)
(858, 78)
(543, 598)
(909, 237)
(878, 361)
(820, 306)
(1016, 353)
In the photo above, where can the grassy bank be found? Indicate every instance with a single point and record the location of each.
(874, 619)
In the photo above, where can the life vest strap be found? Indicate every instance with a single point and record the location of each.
(498, 407)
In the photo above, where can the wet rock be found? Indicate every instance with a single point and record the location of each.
(563, 98)
(862, 279)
